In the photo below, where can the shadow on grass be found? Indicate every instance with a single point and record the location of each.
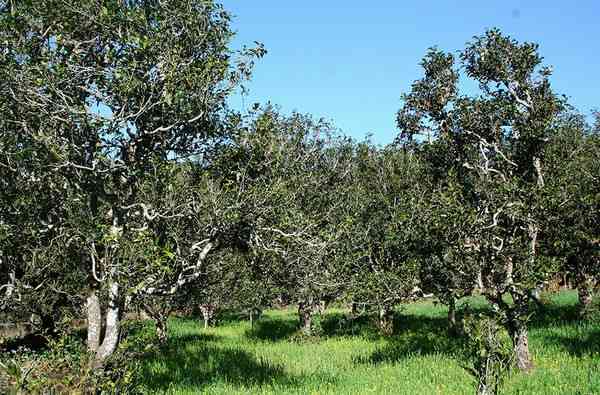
(194, 337)
(328, 325)
(193, 363)
(340, 324)
(589, 344)
(550, 314)
(273, 329)
(232, 316)
(416, 335)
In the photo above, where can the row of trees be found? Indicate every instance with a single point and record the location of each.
(126, 181)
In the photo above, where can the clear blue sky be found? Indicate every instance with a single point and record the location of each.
(349, 60)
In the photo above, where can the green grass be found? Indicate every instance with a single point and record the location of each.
(351, 358)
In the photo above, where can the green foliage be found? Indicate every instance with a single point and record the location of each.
(124, 176)
(381, 229)
(573, 199)
(57, 365)
(491, 181)
(489, 351)
(122, 371)
(97, 100)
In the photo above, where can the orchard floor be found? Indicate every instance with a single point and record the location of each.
(351, 358)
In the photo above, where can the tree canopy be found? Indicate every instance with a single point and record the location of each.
(127, 182)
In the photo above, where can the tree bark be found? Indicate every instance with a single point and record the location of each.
(520, 340)
(322, 306)
(516, 325)
(480, 286)
(208, 313)
(385, 321)
(113, 327)
(584, 290)
(453, 329)
(354, 309)
(159, 315)
(161, 329)
(305, 311)
(484, 389)
(254, 312)
(94, 321)
(536, 295)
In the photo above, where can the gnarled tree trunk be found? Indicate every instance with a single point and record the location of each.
(516, 324)
(536, 295)
(305, 313)
(484, 389)
(103, 349)
(161, 329)
(452, 327)
(479, 281)
(520, 340)
(113, 327)
(159, 314)
(322, 306)
(517, 329)
(94, 321)
(208, 311)
(585, 292)
(354, 312)
(385, 321)
(254, 314)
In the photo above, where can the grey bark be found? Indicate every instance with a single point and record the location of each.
(585, 295)
(94, 321)
(255, 312)
(208, 313)
(484, 389)
(520, 341)
(113, 328)
(385, 320)
(305, 312)
(160, 317)
(161, 329)
(452, 316)
(517, 327)
(480, 286)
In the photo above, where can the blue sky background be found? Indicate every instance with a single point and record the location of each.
(349, 61)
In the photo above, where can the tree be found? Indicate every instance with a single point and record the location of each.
(573, 192)
(292, 168)
(197, 204)
(446, 268)
(36, 247)
(496, 140)
(231, 281)
(380, 230)
(107, 90)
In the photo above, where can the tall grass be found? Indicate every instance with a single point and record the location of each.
(350, 357)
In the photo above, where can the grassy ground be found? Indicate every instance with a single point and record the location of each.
(353, 359)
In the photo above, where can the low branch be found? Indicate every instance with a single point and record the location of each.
(183, 278)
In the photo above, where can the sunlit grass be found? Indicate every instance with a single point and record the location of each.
(351, 358)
